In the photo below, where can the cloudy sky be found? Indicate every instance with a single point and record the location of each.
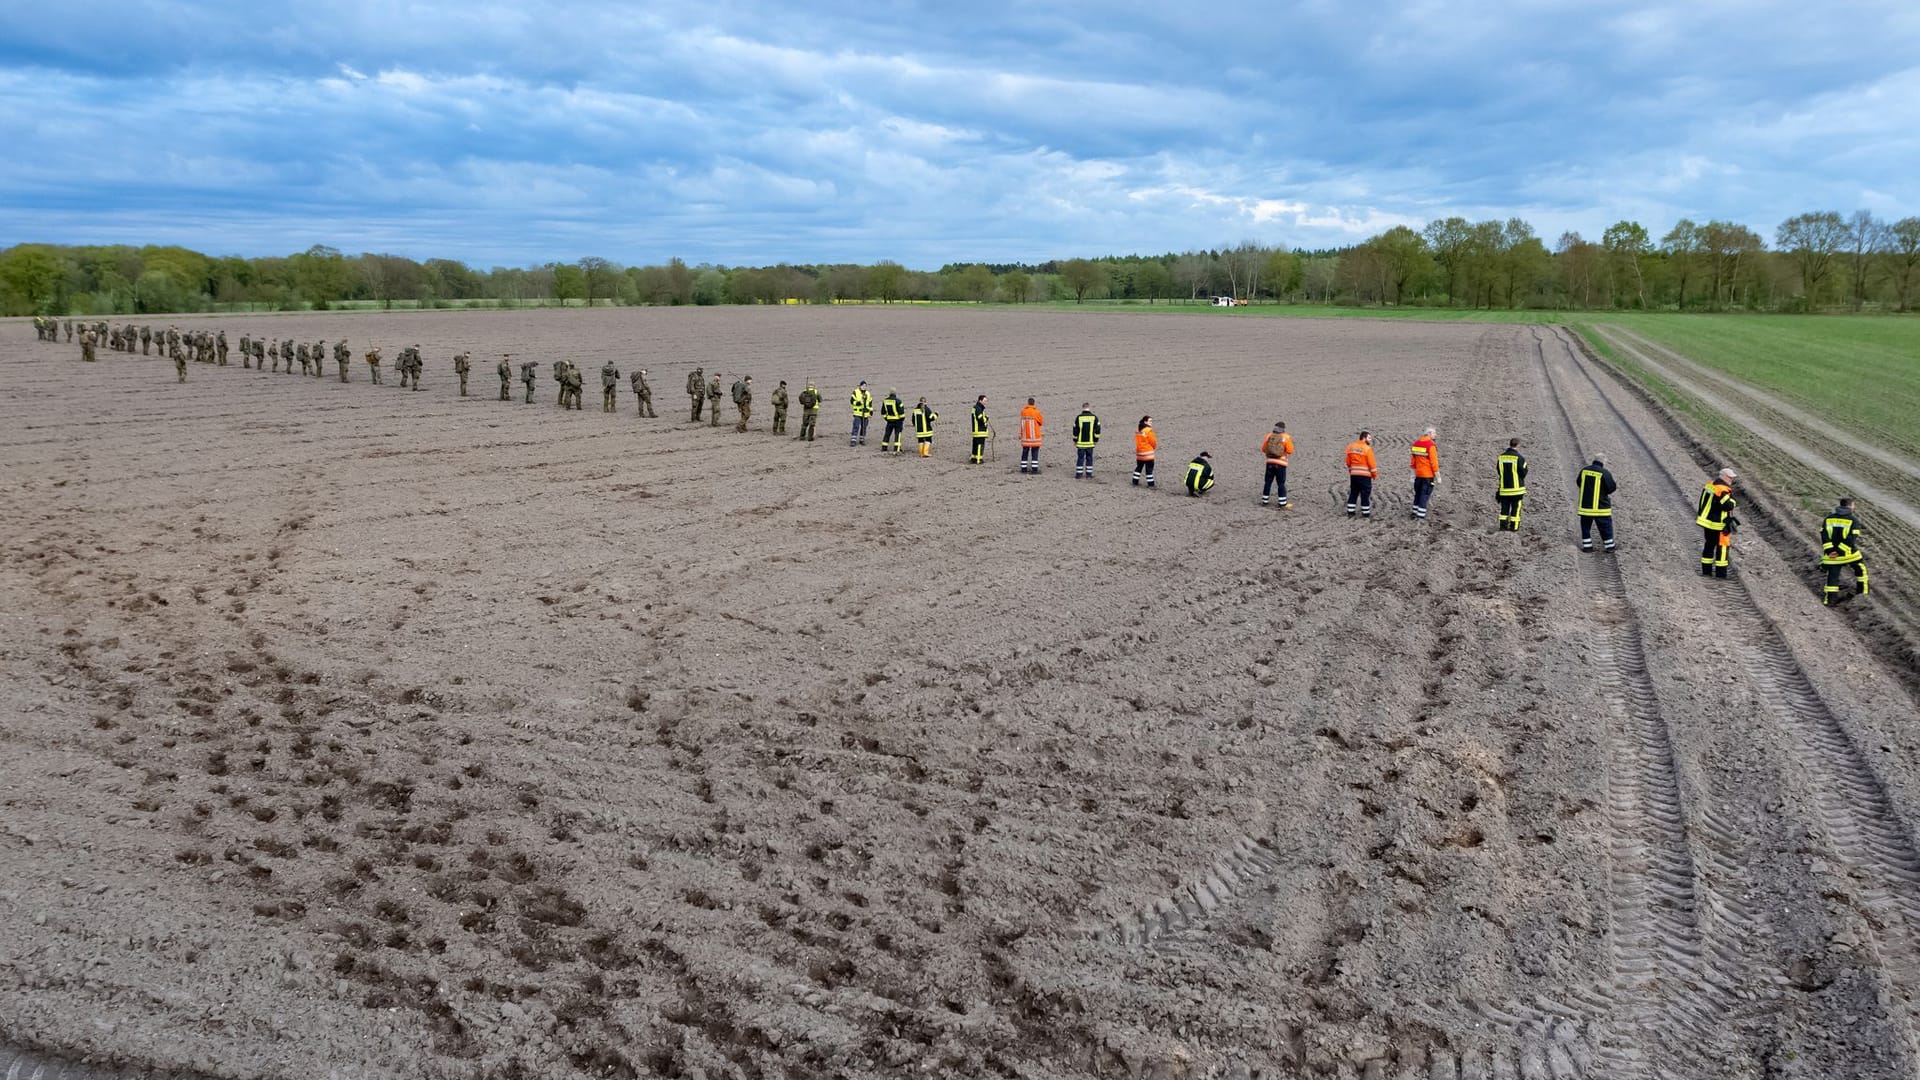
(508, 133)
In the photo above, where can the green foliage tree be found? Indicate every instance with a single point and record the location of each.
(1903, 258)
(569, 282)
(974, 283)
(1627, 246)
(1684, 249)
(1080, 276)
(1451, 242)
(1015, 285)
(887, 281)
(1153, 280)
(29, 280)
(709, 286)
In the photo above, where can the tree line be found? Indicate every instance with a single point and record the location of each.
(1816, 261)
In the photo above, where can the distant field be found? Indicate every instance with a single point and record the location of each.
(1860, 372)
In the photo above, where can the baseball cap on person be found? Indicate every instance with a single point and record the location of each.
(1729, 474)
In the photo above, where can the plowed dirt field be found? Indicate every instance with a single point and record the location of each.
(352, 731)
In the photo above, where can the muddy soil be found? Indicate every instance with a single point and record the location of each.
(360, 732)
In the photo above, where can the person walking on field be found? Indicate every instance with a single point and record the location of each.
(697, 389)
(779, 400)
(1030, 424)
(862, 402)
(504, 369)
(1717, 524)
(1839, 548)
(743, 401)
(1200, 475)
(1596, 505)
(893, 412)
(923, 418)
(1277, 448)
(462, 364)
(609, 387)
(1086, 435)
(1426, 472)
(1145, 444)
(713, 400)
(809, 411)
(982, 429)
(1361, 471)
(643, 392)
(1511, 468)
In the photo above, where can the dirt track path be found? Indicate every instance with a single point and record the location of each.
(1777, 404)
(1695, 380)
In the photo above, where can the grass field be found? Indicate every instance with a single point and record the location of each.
(1860, 372)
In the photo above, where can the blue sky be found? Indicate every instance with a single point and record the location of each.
(755, 132)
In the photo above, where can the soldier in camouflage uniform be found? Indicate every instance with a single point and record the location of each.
(319, 352)
(273, 353)
(505, 371)
(743, 400)
(575, 381)
(180, 361)
(86, 346)
(306, 361)
(403, 363)
(418, 364)
(697, 389)
(460, 368)
(643, 393)
(373, 362)
(809, 411)
(609, 386)
(220, 347)
(259, 354)
(560, 380)
(69, 331)
(713, 401)
(342, 356)
(146, 341)
(528, 372)
(779, 399)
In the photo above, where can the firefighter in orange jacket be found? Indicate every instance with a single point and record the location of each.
(1277, 447)
(1145, 443)
(1030, 421)
(1426, 472)
(1361, 470)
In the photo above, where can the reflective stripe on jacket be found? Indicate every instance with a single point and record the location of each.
(1512, 470)
(1086, 430)
(1837, 546)
(1030, 421)
(1426, 458)
(1596, 493)
(1360, 461)
(1199, 475)
(1716, 504)
(1144, 443)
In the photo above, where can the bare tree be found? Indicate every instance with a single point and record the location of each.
(1865, 238)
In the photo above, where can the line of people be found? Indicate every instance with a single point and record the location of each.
(1839, 537)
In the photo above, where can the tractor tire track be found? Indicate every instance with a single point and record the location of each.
(1861, 826)
(1665, 970)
